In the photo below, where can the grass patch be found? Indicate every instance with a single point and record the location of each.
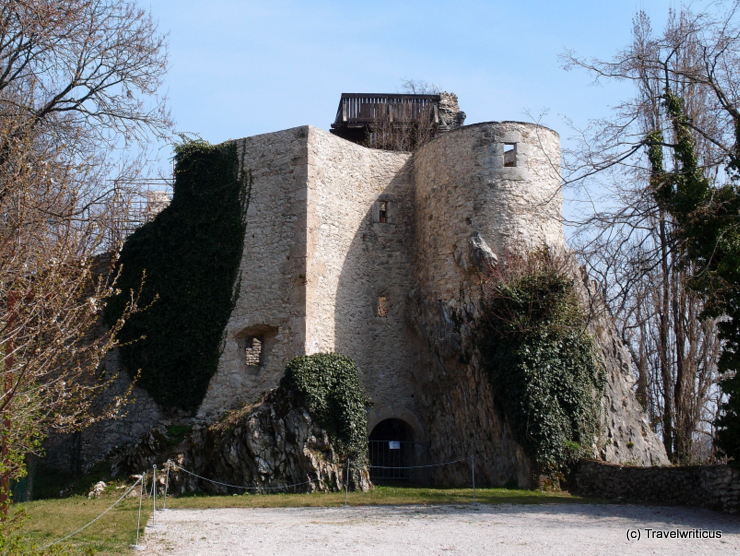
(48, 520)
(381, 495)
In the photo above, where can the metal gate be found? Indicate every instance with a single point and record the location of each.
(390, 459)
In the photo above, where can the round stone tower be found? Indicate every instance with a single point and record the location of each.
(481, 191)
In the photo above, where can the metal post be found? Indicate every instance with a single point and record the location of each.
(166, 484)
(137, 546)
(346, 484)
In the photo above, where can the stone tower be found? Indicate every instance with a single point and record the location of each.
(376, 255)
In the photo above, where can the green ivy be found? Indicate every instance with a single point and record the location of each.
(541, 364)
(706, 219)
(186, 264)
(329, 386)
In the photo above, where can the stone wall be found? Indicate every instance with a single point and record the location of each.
(360, 265)
(270, 301)
(316, 262)
(708, 486)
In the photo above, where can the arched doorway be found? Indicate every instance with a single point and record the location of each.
(391, 446)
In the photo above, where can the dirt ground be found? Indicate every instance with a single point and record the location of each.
(475, 529)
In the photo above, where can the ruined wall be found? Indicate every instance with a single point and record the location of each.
(356, 255)
(79, 451)
(450, 115)
(270, 300)
(316, 261)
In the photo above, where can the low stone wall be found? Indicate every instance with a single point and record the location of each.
(708, 486)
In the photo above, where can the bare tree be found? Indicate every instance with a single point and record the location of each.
(77, 79)
(405, 126)
(419, 87)
(632, 247)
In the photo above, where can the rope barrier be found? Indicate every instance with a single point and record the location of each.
(239, 486)
(73, 533)
(416, 466)
(228, 485)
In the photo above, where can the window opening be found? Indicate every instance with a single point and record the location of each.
(382, 212)
(253, 351)
(509, 155)
(383, 306)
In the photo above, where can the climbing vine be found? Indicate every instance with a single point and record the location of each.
(329, 386)
(706, 219)
(540, 360)
(185, 264)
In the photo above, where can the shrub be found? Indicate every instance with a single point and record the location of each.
(329, 386)
(540, 360)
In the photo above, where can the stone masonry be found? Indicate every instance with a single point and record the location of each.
(710, 486)
(377, 255)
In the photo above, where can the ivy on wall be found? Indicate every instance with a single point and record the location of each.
(328, 385)
(185, 263)
(540, 361)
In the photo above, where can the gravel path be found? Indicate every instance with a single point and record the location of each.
(410, 530)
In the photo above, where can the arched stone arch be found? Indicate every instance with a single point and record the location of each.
(395, 445)
(378, 414)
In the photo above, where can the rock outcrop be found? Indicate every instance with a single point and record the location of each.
(271, 446)
(626, 436)
(459, 403)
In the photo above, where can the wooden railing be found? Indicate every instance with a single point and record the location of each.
(363, 108)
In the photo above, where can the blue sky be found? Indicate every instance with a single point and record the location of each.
(240, 67)
(243, 67)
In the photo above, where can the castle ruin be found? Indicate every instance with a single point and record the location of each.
(378, 255)
(370, 253)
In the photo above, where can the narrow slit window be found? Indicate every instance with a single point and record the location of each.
(509, 155)
(382, 212)
(383, 307)
(253, 351)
